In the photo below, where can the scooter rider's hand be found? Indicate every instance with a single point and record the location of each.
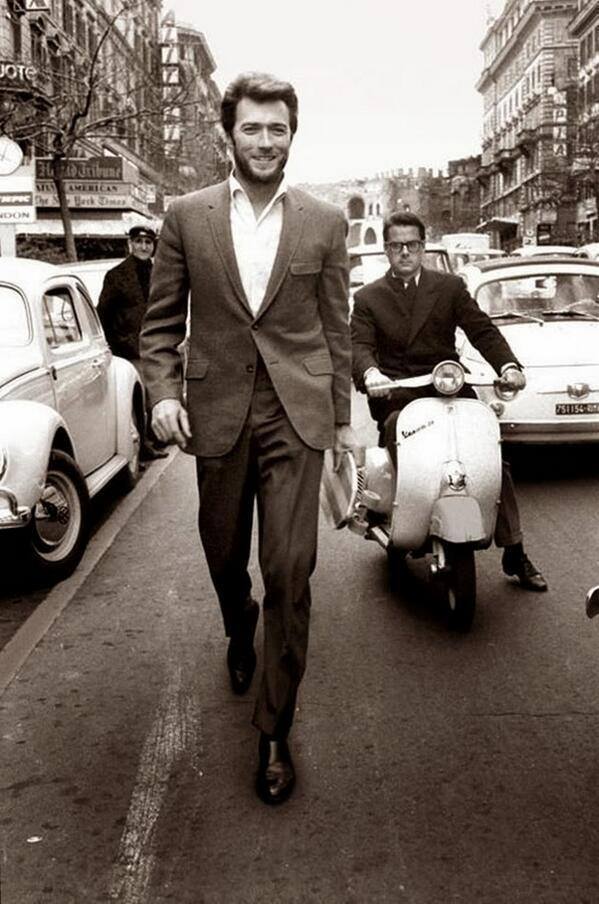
(512, 378)
(377, 384)
(170, 422)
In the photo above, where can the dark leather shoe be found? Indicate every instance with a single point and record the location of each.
(241, 658)
(276, 776)
(522, 568)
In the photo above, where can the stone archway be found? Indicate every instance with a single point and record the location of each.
(356, 208)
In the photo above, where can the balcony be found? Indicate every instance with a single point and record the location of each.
(525, 141)
(504, 158)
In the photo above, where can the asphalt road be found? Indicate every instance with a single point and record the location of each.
(432, 768)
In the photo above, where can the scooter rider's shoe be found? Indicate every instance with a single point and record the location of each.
(241, 657)
(516, 563)
(592, 602)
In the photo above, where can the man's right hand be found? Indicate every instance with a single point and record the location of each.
(377, 384)
(170, 422)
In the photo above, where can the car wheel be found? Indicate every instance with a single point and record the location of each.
(132, 470)
(59, 528)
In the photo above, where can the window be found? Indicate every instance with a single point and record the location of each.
(67, 17)
(14, 321)
(61, 326)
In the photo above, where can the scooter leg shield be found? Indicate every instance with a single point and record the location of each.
(458, 519)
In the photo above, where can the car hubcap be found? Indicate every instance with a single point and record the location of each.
(57, 518)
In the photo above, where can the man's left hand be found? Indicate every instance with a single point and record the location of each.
(513, 378)
(345, 441)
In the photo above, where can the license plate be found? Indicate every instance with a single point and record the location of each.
(577, 408)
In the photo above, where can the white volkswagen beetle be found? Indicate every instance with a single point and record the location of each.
(71, 415)
(548, 311)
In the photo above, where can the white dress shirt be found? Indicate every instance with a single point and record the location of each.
(255, 240)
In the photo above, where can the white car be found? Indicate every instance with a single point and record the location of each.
(540, 250)
(71, 415)
(548, 311)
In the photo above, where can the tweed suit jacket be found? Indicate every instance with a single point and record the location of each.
(301, 330)
(121, 308)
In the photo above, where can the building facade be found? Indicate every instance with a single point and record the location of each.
(529, 99)
(584, 28)
(82, 90)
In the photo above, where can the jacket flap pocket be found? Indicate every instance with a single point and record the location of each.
(196, 368)
(303, 268)
(319, 364)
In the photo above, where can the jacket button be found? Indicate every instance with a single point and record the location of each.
(250, 368)
(254, 326)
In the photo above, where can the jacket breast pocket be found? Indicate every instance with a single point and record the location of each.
(196, 369)
(319, 365)
(305, 268)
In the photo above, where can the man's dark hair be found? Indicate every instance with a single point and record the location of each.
(403, 219)
(262, 88)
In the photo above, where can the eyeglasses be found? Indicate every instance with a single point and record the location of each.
(412, 247)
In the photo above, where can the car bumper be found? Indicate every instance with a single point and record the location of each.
(11, 513)
(550, 432)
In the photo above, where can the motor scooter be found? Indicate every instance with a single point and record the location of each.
(444, 497)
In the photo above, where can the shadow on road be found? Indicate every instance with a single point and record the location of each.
(540, 464)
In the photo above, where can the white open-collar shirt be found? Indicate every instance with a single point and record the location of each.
(255, 240)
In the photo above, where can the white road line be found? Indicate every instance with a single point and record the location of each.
(176, 729)
(25, 640)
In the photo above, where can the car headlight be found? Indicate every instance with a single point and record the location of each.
(3, 462)
(448, 377)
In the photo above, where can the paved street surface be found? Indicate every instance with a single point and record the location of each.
(432, 768)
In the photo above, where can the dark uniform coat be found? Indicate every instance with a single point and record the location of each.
(122, 307)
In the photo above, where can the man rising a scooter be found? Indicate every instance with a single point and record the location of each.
(402, 325)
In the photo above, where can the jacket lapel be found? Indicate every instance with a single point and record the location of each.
(426, 297)
(220, 224)
(293, 221)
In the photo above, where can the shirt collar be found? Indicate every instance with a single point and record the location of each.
(415, 277)
(236, 186)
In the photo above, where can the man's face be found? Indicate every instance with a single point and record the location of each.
(141, 247)
(404, 262)
(260, 140)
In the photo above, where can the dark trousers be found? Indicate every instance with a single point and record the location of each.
(272, 466)
(507, 528)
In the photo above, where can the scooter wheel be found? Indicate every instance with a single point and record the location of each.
(460, 582)
(397, 568)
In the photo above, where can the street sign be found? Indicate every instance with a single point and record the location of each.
(16, 197)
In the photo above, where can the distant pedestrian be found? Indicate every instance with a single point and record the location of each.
(267, 388)
(122, 306)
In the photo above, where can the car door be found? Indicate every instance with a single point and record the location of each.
(79, 367)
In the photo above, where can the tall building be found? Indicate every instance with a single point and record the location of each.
(584, 28)
(528, 90)
(195, 148)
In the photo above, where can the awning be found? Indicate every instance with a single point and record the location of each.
(502, 224)
(117, 229)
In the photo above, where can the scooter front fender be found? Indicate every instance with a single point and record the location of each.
(458, 519)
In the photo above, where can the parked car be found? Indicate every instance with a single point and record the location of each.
(591, 250)
(539, 250)
(459, 257)
(548, 311)
(91, 273)
(71, 415)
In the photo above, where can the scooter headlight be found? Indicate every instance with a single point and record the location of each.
(448, 377)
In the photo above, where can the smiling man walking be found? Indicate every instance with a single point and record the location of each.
(267, 388)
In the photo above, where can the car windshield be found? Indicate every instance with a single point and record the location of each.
(541, 295)
(14, 321)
